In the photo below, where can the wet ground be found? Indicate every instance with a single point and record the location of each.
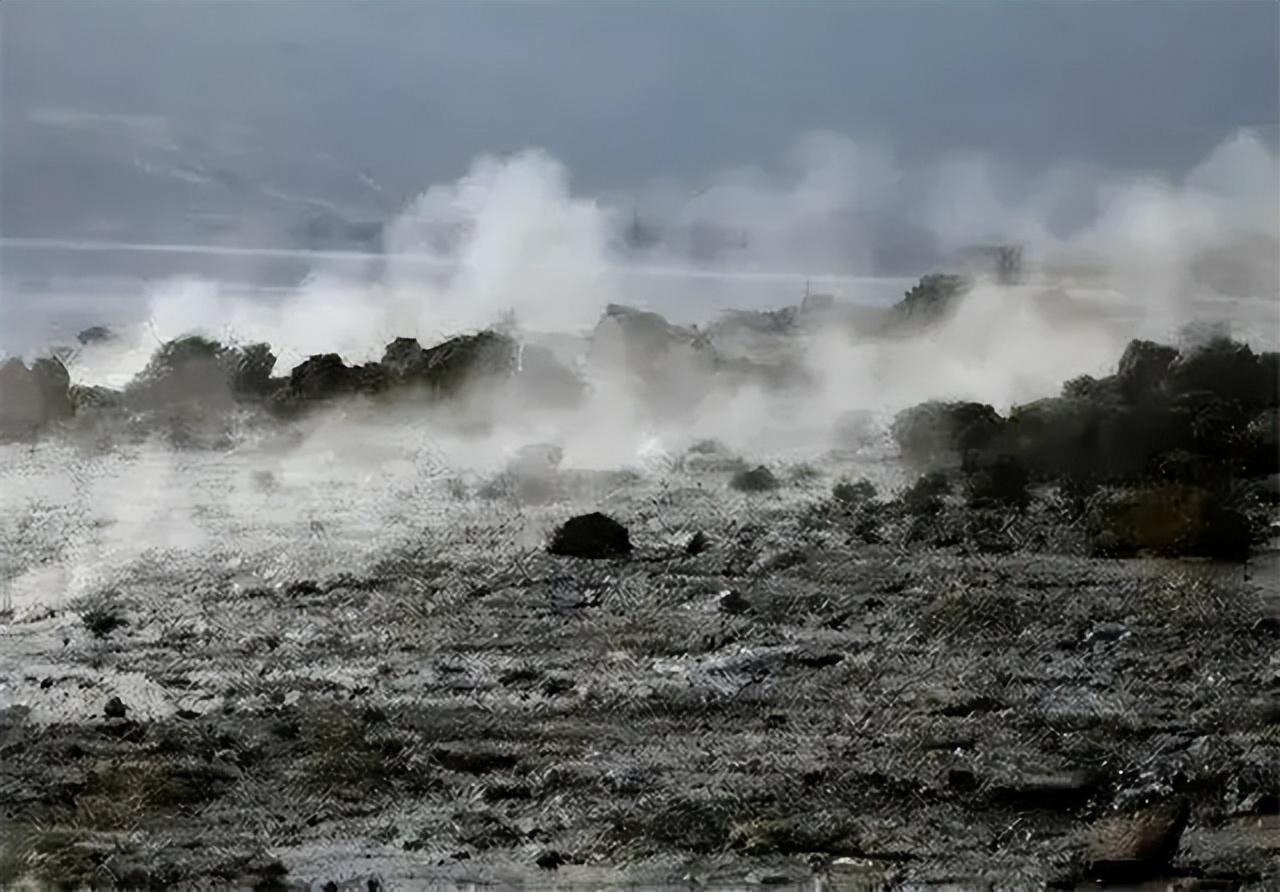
(328, 677)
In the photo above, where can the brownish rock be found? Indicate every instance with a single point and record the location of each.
(1138, 845)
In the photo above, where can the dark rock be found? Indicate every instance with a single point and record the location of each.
(449, 367)
(962, 779)
(188, 368)
(697, 543)
(925, 497)
(853, 493)
(96, 334)
(709, 446)
(1143, 368)
(84, 398)
(249, 370)
(1171, 521)
(757, 479)
(791, 836)
(550, 859)
(1139, 845)
(937, 434)
(115, 709)
(817, 660)
(21, 402)
(970, 705)
(53, 383)
(1000, 482)
(929, 300)
(320, 377)
(1066, 789)
(1229, 370)
(777, 559)
(473, 761)
(592, 535)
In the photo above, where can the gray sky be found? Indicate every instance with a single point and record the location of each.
(168, 120)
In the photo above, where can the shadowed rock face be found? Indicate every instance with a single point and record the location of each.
(1172, 437)
(31, 398)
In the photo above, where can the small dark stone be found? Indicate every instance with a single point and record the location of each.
(697, 544)
(962, 779)
(95, 334)
(732, 601)
(555, 687)
(550, 859)
(45, 684)
(115, 709)
(853, 492)
(1267, 625)
(818, 660)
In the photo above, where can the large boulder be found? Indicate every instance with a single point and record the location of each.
(1144, 365)
(324, 377)
(53, 382)
(188, 368)
(1169, 520)
(199, 369)
(31, 398)
(1085, 439)
(1230, 371)
(941, 434)
(1131, 848)
(21, 406)
(929, 300)
(249, 370)
(449, 367)
(592, 535)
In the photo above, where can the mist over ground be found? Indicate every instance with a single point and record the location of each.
(449, 446)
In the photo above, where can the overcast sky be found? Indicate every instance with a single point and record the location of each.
(121, 117)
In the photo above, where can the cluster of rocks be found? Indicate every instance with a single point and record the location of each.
(208, 377)
(1165, 455)
(672, 369)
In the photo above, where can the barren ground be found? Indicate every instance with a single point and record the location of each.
(331, 676)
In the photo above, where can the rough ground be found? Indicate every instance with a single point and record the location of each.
(320, 696)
